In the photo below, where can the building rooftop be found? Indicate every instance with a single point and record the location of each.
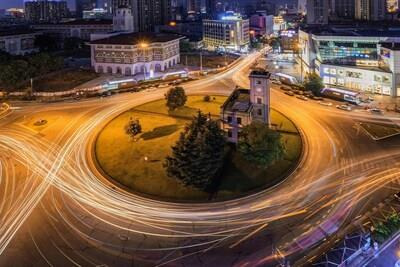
(260, 72)
(238, 101)
(89, 22)
(12, 32)
(353, 30)
(137, 38)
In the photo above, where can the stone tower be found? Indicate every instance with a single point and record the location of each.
(260, 95)
(123, 20)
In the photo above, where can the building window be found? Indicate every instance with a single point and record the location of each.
(239, 120)
(229, 119)
(259, 100)
(230, 133)
(259, 112)
(258, 82)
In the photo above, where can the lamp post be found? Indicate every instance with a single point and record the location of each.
(144, 46)
(301, 47)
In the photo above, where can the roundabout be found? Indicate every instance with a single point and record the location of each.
(137, 163)
(65, 213)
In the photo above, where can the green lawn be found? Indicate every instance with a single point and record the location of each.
(124, 159)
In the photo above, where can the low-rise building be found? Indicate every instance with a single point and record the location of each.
(352, 58)
(230, 33)
(246, 105)
(80, 28)
(18, 41)
(133, 53)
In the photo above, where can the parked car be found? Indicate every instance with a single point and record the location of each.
(317, 98)
(328, 104)
(376, 111)
(284, 88)
(290, 93)
(344, 107)
(302, 97)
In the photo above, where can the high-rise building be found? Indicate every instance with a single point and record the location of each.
(343, 8)
(84, 5)
(317, 11)
(392, 5)
(132, 4)
(370, 10)
(152, 13)
(38, 11)
(123, 20)
(146, 13)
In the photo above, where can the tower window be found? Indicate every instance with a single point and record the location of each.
(259, 100)
(229, 119)
(259, 112)
(239, 120)
(258, 82)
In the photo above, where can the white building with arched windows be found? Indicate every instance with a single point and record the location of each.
(133, 53)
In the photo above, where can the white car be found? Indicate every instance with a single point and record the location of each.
(328, 104)
(344, 107)
(376, 111)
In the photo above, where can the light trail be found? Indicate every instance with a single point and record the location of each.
(62, 165)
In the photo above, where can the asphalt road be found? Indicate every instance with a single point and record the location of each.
(57, 210)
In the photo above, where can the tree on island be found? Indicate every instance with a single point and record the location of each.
(198, 155)
(314, 84)
(176, 98)
(133, 128)
(260, 145)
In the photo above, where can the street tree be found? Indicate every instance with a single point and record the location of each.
(314, 84)
(14, 74)
(198, 155)
(176, 98)
(260, 145)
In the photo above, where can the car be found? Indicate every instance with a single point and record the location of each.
(302, 97)
(284, 88)
(328, 104)
(297, 92)
(276, 82)
(317, 98)
(344, 107)
(376, 111)
(290, 93)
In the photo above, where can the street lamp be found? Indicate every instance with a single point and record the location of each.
(144, 45)
(300, 48)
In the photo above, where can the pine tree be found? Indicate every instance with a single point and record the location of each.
(198, 155)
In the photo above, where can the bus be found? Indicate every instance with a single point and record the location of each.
(119, 84)
(342, 95)
(284, 79)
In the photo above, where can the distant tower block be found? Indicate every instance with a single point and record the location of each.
(260, 95)
(123, 20)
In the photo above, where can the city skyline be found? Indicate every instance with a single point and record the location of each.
(20, 4)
